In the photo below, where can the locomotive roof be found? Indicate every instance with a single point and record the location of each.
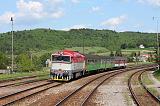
(69, 53)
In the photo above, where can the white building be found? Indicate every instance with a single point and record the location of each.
(141, 46)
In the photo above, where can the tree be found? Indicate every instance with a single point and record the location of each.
(118, 53)
(47, 39)
(24, 63)
(44, 57)
(4, 61)
(111, 54)
(123, 46)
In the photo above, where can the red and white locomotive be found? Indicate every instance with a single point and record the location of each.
(67, 65)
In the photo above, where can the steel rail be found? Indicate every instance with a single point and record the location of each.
(130, 86)
(31, 94)
(131, 90)
(21, 91)
(23, 82)
(146, 89)
(91, 93)
(20, 78)
(85, 100)
(33, 88)
(75, 91)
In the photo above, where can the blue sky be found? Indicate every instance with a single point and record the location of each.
(119, 15)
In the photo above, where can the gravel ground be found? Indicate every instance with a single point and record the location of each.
(12, 89)
(53, 95)
(77, 98)
(113, 93)
(17, 81)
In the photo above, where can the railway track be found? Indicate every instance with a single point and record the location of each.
(19, 95)
(79, 96)
(22, 82)
(20, 78)
(16, 96)
(141, 82)
(141, 95)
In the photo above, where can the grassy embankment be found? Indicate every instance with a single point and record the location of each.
(104, 51)
(45, 72)
(145, 79)
(157, 74)
(96, 51)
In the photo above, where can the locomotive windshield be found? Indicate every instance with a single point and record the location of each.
(60, 58)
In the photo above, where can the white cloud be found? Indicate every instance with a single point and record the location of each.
(95, 9)
(29, 12)
(32, 11)
(140, 1)
(75, 27)
(125, 0)
(57, 14)
(55, 2)
(5, 18)
(114, 21)
(75, 1)
(138, 26)
(31, 6)
(154, 2)
(151, 2)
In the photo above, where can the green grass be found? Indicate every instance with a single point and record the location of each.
(157, 74)
(22, 74)
(42, 52)
(104, 51)
(95, 50)
(139, 63)
(90, 50)
(145, 79)
(153, 91)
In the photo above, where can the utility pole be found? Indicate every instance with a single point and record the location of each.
(157, 21)
(12, 45)
(83, 44)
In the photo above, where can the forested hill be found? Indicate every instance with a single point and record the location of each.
(47, 39)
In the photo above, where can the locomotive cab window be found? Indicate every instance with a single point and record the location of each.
(60, 58)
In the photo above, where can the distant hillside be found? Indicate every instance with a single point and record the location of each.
(47, 39)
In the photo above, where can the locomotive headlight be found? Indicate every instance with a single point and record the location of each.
(66, 71)
(52, 71)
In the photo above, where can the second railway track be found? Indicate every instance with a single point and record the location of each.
(141, 95)
(16, 96)
(80, 96)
